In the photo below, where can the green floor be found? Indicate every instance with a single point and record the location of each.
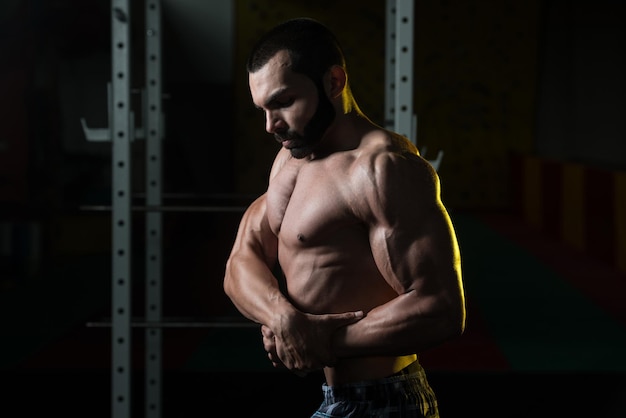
(540, 321)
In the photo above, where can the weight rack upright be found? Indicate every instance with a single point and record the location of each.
(121, 132)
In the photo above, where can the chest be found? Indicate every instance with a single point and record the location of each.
(306, 202)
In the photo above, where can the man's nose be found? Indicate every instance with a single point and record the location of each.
(269, 125)
(272, 122)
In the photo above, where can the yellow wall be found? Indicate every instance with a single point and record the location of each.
(573, 218)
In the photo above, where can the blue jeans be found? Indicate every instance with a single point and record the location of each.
(404, 394)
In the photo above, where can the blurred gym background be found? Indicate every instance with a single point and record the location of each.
(525, 99)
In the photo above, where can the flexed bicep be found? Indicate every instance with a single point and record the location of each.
(411, 234)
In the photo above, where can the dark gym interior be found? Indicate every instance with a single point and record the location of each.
(525, 99)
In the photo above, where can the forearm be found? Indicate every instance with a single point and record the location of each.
(254, 290)
(402, 326)
(249, 281)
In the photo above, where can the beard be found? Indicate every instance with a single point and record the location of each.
(305, 144)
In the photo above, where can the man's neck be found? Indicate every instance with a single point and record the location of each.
(344, 134)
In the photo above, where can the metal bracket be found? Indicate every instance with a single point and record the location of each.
(437, 161)
(104, 134)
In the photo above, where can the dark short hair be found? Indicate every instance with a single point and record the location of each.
(313, 48)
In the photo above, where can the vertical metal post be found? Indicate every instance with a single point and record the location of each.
(121, 132)
(390, 67)
(403, 103)
(152, 127)
(399, 114)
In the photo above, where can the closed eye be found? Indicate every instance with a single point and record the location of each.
(276, 104)
(279, 99)
(281, 104)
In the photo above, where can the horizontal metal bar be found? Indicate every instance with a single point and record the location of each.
(224, 196)
(156, 208)
(174, 324)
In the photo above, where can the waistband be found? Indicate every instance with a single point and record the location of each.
(412, 368)
(407, 382)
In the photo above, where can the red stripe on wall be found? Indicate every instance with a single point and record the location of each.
(599, 214)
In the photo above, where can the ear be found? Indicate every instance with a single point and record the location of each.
(338, 80)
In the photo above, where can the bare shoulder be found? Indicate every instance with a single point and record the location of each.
(388, 158)
(390, 180)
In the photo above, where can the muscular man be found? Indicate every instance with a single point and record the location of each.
(349, 260)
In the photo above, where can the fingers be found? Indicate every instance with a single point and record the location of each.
(268, 338)
(274, 360)
(346, 318)
(269, 345)
(266, 331)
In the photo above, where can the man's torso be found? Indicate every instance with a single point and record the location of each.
(324, 248)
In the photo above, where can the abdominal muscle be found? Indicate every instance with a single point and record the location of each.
(334, 280)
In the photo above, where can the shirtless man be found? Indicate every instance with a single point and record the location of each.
(349, 260)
